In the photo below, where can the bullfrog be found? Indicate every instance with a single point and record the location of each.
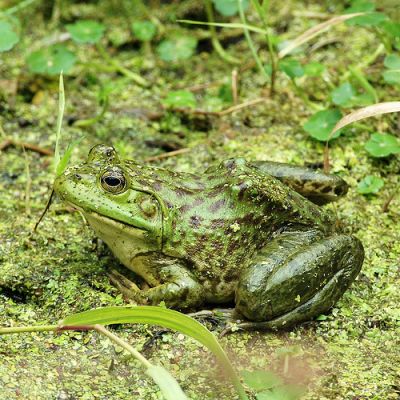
(252, 234)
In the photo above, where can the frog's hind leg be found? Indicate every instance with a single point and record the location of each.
(299, 276)
(318, 187)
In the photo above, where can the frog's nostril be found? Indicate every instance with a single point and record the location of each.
(78, 177)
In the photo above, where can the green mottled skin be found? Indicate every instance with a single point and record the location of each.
(237, 232)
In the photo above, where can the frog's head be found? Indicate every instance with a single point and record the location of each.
(118, 209)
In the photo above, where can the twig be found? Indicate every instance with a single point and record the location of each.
(229, 110)
(386, 204)
(234, 84)
(44, 211)
(242, 105)
(29, 146)
(168, 154)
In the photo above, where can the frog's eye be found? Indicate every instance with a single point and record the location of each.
(113, 181)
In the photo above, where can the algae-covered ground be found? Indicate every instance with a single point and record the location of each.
(351, 353)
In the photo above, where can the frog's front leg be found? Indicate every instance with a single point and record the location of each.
(298, 276)
(171, 281)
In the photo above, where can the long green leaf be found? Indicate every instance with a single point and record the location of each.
(232, 25)
(168, 385)
(163, 317)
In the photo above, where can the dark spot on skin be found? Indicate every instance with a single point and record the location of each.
(185, 208)
(195, 221)
(326, 189)
(242, 190)
(216, 191)
(230, 164)
(169, 205)
(181, 191)
(217, 205)
(157, 185)
(78, 177)
(217, 223)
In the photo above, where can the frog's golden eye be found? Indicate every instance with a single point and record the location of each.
(113, 181)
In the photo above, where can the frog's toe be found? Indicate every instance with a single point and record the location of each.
(127, 287)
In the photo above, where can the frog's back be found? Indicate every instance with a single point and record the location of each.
(219, 219)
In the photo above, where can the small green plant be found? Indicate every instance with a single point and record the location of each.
(54, 59)
(177, 48)
(370, 185)
(382, 145)
(392, 73)
(9, 36)
(268, 386)
(51, 60)
(180, 98)
(228, 8)
(320, 125)
(144, 30)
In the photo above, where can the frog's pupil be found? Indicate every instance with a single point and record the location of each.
(112, 181)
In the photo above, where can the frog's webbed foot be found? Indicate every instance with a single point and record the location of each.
(128, 288)
(300, 276)
(177, 288)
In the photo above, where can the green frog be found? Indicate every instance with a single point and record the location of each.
(248, 233)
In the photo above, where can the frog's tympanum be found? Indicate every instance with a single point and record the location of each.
(249, 233)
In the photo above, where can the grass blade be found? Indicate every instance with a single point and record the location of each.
(232, 25)
(315, 31)
(366, 112)
(168, 385)
(61, 106)
(164, 317)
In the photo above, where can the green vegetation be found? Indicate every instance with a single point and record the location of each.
(239, 78)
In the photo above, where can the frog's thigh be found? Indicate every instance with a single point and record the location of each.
(306, 283)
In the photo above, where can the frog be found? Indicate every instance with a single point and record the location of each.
(252, 234)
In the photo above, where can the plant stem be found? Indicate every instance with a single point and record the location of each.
(101, 329)
(18, 7)
(61, 106)
(250, 42)
(214, 38)
(22, 329)
(120, 68)
(262, 11)
(359, 76)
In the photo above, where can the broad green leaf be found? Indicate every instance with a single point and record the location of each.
(167, 383)
(391, 28)
(370, 19)
(391, 76)
(177, 48)
(260, 380)
(314, 69)
(144, 30)
(291, 67)
(370, 185)
(51, 60)
(392, 61)
(284, 392)
(163, 317)
(360, 6)
(8, 37)
(382, 145)
(343, 94)
(86, 31)
(229, 8)
(180, 98)
(321, 124)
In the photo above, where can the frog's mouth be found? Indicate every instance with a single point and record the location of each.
(115, 223)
